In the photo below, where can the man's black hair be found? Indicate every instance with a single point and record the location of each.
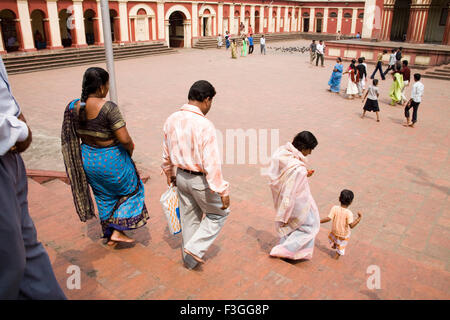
(201, 90)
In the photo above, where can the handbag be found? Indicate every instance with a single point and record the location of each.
(169, 202)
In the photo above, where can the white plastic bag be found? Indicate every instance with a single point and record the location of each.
(169, 202)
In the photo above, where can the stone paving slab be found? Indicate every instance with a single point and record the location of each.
(400, 177)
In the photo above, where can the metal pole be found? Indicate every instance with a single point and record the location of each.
(106, 21)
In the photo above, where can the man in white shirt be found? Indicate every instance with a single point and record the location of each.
(416, 98)
(262, 42)
(320, 49)
(25, 269)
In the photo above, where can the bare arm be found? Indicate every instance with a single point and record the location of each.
(355, 223)
(124, 138)
(325, 220)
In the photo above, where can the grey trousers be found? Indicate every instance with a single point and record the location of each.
(195, 199)
(25, 269)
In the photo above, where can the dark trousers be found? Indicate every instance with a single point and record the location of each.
(319, 56)
(25, 269)
(415, 106)
(388, 68)
(378, 68)
(250, 49)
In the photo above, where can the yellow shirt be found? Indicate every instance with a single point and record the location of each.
(341, 218)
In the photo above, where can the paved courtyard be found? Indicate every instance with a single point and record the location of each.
(400, 177)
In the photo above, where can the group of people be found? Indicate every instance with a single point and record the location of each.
(401, 75)
(97, 151)
(316, 52)
(246, 45)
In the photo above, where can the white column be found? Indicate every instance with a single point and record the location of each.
(261, 19)
(25, 24)
(325, 20)
(312, 17)
(242, 17)
(54, 23)
(293, 21)
(285, 20)
(79, 21)
(194, 19)
(231, 20)
(354, 16)
(123, 14)
(187, 34)
(299, 20)
(153, 28)
(271, 27)
(278, 18)
(339, 20)
(220, 18)
(252, 18)
(160, 17)
(166, 39)
(100, 21)
(369, 15)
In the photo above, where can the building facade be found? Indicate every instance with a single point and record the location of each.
(29, 25)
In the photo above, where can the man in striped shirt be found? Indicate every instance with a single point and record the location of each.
(190, 146)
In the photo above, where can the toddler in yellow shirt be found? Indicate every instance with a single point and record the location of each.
(342, 220)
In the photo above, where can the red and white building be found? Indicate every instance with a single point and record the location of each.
(29, 25)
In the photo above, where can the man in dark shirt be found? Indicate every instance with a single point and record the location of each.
(406, 72)
(362, 74)
(312, 51)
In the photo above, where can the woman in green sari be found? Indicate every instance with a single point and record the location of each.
(396, 88)
(244, 46)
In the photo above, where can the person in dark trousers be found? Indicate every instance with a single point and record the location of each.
(398, 55)
(25, 269)
(320, 51)
(379, 65)
(416, 98)
(392, 62)
(250, 41)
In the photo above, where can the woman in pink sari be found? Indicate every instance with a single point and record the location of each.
(297, 217)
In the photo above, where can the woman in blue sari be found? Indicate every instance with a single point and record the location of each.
(336, 76)
(102, 160)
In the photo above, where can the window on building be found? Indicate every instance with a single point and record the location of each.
(333, 15)
(361, 15)
(347, 15)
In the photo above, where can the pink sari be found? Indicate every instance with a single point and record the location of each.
(297, 217)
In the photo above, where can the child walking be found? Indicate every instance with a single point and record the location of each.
(342, 219)
(372, 100)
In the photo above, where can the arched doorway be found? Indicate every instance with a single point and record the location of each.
(89, 26)
(274, 21)
(257, 17)
(206, 23)
(236, 22)
(38, 29)
(247, 21)
(305, 22)
(141, 28)
(176, 29)
(319, 20)
(64, 27)
(114, 25)
(400, 20)
(436, 22)
(9, 31)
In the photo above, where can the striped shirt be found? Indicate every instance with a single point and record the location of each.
(190, 142)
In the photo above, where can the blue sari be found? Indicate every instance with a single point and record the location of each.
(117, 187)
(336, 76)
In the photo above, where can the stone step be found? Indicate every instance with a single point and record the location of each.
(22, 64)
(48, 66)
(434, 76)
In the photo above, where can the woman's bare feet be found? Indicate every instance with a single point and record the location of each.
(119, 236)
(111, 243)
